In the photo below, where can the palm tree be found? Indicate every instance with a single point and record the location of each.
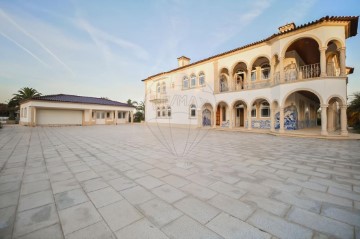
(353, 111)
(23, 94)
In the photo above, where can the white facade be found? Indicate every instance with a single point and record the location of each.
(38, 113)
(281, 83)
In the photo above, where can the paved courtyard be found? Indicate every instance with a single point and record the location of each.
(123, 182)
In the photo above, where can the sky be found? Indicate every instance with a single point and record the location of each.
(105, 48)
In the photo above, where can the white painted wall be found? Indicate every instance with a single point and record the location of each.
(180, 100)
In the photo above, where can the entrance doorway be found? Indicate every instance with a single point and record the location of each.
(239, 120)
(218, 115)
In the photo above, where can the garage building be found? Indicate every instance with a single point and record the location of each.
(62, 109)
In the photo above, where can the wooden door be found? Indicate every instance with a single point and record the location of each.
(218, 116)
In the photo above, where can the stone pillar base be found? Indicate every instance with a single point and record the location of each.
(325, 133)
(344, 133)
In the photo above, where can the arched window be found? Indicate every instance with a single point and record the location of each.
(201, 79)
(158, 87)
(192, 110)
(185, 82)
(169, 111)
(265, 109)
(223, 84)
(163, 111)
(240, 76)
(193, 81)
(158, 112)
(163, 87)
(265, 71)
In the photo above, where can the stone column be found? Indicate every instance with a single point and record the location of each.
(116, 117)
(323, 61)
(231, 121)
(272, 71)
(282, 72)
(324, 120)
(199, 123)
(131, 117)
(342, 61)
(272, 119)
(231, 84)
(249, 119)
(281, 120)
(214, 118)
(343, 120)
(248, 80)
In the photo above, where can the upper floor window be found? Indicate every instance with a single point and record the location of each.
(265, 71)
(158, 88)
(201, 79)
(223, 84)
(185, 83)
(163, 87)
(193, 81)
(265, 109)
(192, 110)
(169, 111)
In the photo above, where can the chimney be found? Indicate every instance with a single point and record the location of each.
(287, 27)
(183, 61)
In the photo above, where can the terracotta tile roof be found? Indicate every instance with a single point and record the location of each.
(352, 31)
(78, 99)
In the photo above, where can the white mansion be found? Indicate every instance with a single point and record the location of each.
(280, 83)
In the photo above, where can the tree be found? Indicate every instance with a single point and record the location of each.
(23, 94)
(353, 112)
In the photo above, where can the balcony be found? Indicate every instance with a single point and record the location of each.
(290, 74)
(158, 98)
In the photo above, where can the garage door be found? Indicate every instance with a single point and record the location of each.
(58, 117)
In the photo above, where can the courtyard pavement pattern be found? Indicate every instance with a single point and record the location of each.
(121, 182)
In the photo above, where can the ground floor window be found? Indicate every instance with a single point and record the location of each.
(265, 109)
(100, 115)
(169, 111)
(253, 112)
(121, 115)
(107, 114)
(192, 110)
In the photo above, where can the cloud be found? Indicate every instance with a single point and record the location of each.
(240, 21)
(42, 45)
(299, 10)
(24, 48)
(102, 39)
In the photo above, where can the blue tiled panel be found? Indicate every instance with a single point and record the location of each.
(290, 118)
(260, 124)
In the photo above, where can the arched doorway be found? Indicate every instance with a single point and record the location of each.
(240, 76)
(302, 60)
(224, 80)
(336, 116)
(206, 116)
(222, 115)
(301, 111)
(239, 113)
(333, 65)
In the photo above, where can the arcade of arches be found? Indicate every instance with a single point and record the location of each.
(300, 110)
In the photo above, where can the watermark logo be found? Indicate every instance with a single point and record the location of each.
(179, 116)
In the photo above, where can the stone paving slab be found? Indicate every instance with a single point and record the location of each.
(123, 182)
